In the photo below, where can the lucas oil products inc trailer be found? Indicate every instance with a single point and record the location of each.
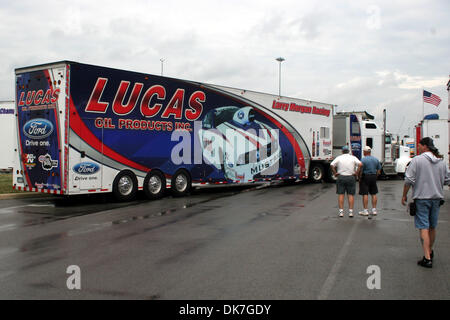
(84, 129)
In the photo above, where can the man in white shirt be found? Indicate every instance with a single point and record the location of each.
(346, 167)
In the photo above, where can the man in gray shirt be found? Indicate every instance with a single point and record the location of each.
(427, 174)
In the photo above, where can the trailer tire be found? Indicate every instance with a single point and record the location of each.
(181, 183)
(125, 186)
(154, 185)
(316, 173)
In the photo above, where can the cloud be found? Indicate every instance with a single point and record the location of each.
(405, 81)
(399, 93)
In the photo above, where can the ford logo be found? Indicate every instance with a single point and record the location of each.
(86, 168)
(38, 129)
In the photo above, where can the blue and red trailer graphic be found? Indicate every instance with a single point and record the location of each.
(39, 131)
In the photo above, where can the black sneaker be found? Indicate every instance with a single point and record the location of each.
(424, 262)
(432, 255)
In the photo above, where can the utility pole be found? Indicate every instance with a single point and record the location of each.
(162, 65)
(280, 60)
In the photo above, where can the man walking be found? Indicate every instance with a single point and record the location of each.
(371, 169)
(346, 167)
(427, 174)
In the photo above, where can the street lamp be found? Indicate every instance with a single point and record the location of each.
(162, 65)
(280, 60)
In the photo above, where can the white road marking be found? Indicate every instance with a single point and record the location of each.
(331, 279)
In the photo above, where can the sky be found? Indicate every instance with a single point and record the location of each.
(358, 55)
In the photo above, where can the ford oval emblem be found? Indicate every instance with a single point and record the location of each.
(38, 128)
(86, 168)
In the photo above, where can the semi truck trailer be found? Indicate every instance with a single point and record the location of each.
(82, 129)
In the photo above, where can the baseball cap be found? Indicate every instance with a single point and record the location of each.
(345, 148)
(427, 141)
(367, 148)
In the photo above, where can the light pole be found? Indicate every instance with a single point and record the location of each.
(280, 60)
(162, 65)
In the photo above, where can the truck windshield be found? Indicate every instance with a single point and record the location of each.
(387, 140)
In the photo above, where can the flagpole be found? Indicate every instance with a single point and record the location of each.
(423, 105)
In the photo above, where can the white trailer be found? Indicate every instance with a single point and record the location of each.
(358, 130)
(437, 129)
(83, 129)
(7, 132)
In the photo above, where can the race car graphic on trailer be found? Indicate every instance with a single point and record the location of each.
(242, 147)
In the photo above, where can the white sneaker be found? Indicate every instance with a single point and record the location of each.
(374, 211)
(350, 214)
(341, 213)
(364, 213)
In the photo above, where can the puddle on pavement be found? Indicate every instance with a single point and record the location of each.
(42, 242)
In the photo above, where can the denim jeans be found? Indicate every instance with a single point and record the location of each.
(427, 213)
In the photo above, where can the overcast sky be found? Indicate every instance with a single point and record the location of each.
(358, 55)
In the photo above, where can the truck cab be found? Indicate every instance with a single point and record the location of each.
(358, 130)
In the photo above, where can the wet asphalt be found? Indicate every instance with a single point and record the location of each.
(268, 242)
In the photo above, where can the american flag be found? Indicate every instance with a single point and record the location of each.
(428, 97)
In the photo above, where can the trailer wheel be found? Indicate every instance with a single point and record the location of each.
(154, 185)
(316, 173)
(125, 186)
(181, 183)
